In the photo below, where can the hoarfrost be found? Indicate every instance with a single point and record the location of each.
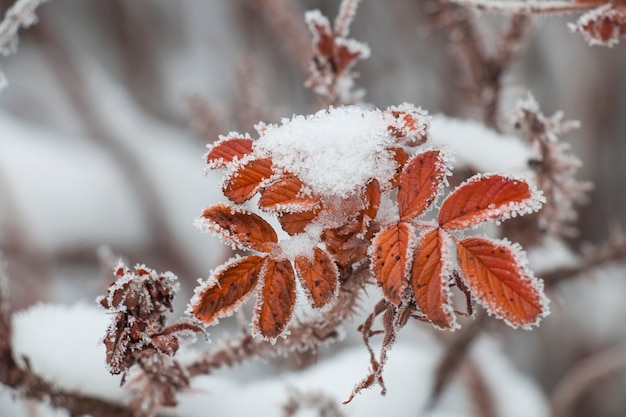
(335, 152)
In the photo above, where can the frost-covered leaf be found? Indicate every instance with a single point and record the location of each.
(389, 260)
(225, 290)
(420, 183)
(603, 25)
(401, 157)
(227, 149)
(276, 298)
(294, 223)
(429, 279)
(409, 122)
(372, 201)
(488, 197)
(284, 195)
(319, 277)
(246, 180)
(496, 274)
(243, 229)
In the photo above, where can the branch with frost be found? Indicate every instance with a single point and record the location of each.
(28, 384)
(20, 15)
(554, 166)
(603, 23)
(334, 55)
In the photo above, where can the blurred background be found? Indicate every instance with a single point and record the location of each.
(110, 105)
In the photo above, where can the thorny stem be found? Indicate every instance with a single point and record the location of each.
(584, 375)
(304, 336)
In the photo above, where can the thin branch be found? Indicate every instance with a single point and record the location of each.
(527, 7)
(64, 67)
(584, 376)
(614, 251)
(347, 10)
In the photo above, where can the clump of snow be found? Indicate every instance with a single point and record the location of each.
(478, 147)
(62, 345)
(334, 152)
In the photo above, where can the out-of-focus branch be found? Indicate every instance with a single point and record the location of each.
(296, 401)
(284, 19)
(64, 66)
(529, 7)
(484, 70)
(614, 251)
(584, 375)
(479, 390)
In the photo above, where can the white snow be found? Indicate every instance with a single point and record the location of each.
(334, 152)
(63, 345)
(477, 147)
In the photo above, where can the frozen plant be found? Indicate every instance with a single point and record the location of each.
(350, 187)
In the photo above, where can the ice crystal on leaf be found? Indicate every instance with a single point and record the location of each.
(325, 177)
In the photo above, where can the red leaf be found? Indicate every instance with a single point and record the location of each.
(389, 260)
(227, 150)
(283, 195)
(318, 276)
(246, 180)
(496, 274)
(242, 228)
(420, 183)
(226, 289)
(372, 200)
(429, 279)
(487, 197)
(401, 158)
(294, 223)
(276, 298)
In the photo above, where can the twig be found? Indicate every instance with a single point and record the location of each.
(584, 375)
(528, 7)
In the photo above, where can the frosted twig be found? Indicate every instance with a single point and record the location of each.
(528, 7)
(344, 18)
(584, 375)
(21, 14)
